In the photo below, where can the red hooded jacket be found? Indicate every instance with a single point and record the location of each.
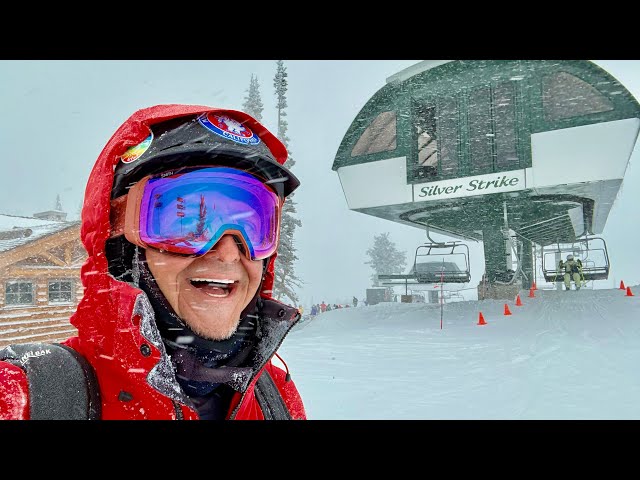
(116, 327)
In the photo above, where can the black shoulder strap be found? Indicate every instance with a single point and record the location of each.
(269, 398)
(62, 383)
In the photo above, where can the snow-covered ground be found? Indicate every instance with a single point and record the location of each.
(561, 355)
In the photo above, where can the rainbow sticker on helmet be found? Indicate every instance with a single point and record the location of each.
(136, 151)
(228, 128)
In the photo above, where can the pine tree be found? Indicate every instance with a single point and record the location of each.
(58, 203)
(281, 85)
(385, 258)
(253, 102)
(285, 278)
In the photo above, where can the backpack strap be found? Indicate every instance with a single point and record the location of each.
(269, 398)
(62, 383)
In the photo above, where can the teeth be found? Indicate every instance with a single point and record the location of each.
(211, 280)
(218, 296)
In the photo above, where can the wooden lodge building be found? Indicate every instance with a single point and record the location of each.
(40, 287)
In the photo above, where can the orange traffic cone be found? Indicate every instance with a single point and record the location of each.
(534, 286)
(621, 285)
(629, 293)
(531, 294)
(518, 301)
(481, 319)
(506, 309)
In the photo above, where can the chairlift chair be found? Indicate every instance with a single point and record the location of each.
(442, 262)
(592, 252)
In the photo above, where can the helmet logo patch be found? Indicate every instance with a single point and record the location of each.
(133, 153)
(228, 128)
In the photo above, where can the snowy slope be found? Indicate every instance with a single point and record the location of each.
(561, 355)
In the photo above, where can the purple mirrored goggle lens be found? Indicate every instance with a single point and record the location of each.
(188, 213)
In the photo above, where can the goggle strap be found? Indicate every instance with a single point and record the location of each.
(117, 215)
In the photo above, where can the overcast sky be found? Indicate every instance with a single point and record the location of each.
(56, 116)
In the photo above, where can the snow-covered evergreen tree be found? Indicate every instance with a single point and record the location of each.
(281, 85)
(385, 258)
(253, 102)
(285, 279)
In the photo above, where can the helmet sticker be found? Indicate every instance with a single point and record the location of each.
(228, 128)
(134, 152)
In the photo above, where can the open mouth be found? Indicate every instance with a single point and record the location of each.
(214, 287)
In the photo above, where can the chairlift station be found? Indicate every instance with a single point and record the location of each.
(516, 154)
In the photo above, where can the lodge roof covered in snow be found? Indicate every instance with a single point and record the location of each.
(16, 231)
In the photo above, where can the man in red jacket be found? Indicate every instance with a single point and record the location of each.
(181, 222)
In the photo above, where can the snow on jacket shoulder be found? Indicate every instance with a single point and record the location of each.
(14, 393)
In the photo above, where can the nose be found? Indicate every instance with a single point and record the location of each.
(226, 249)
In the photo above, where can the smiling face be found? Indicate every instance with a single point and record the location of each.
(210, 292)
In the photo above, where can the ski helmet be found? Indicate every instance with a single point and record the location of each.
(569, 257)
(216, 137)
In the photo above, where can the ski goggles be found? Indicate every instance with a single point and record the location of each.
(187, 212)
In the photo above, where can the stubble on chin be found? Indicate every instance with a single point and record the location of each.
(218, 333)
